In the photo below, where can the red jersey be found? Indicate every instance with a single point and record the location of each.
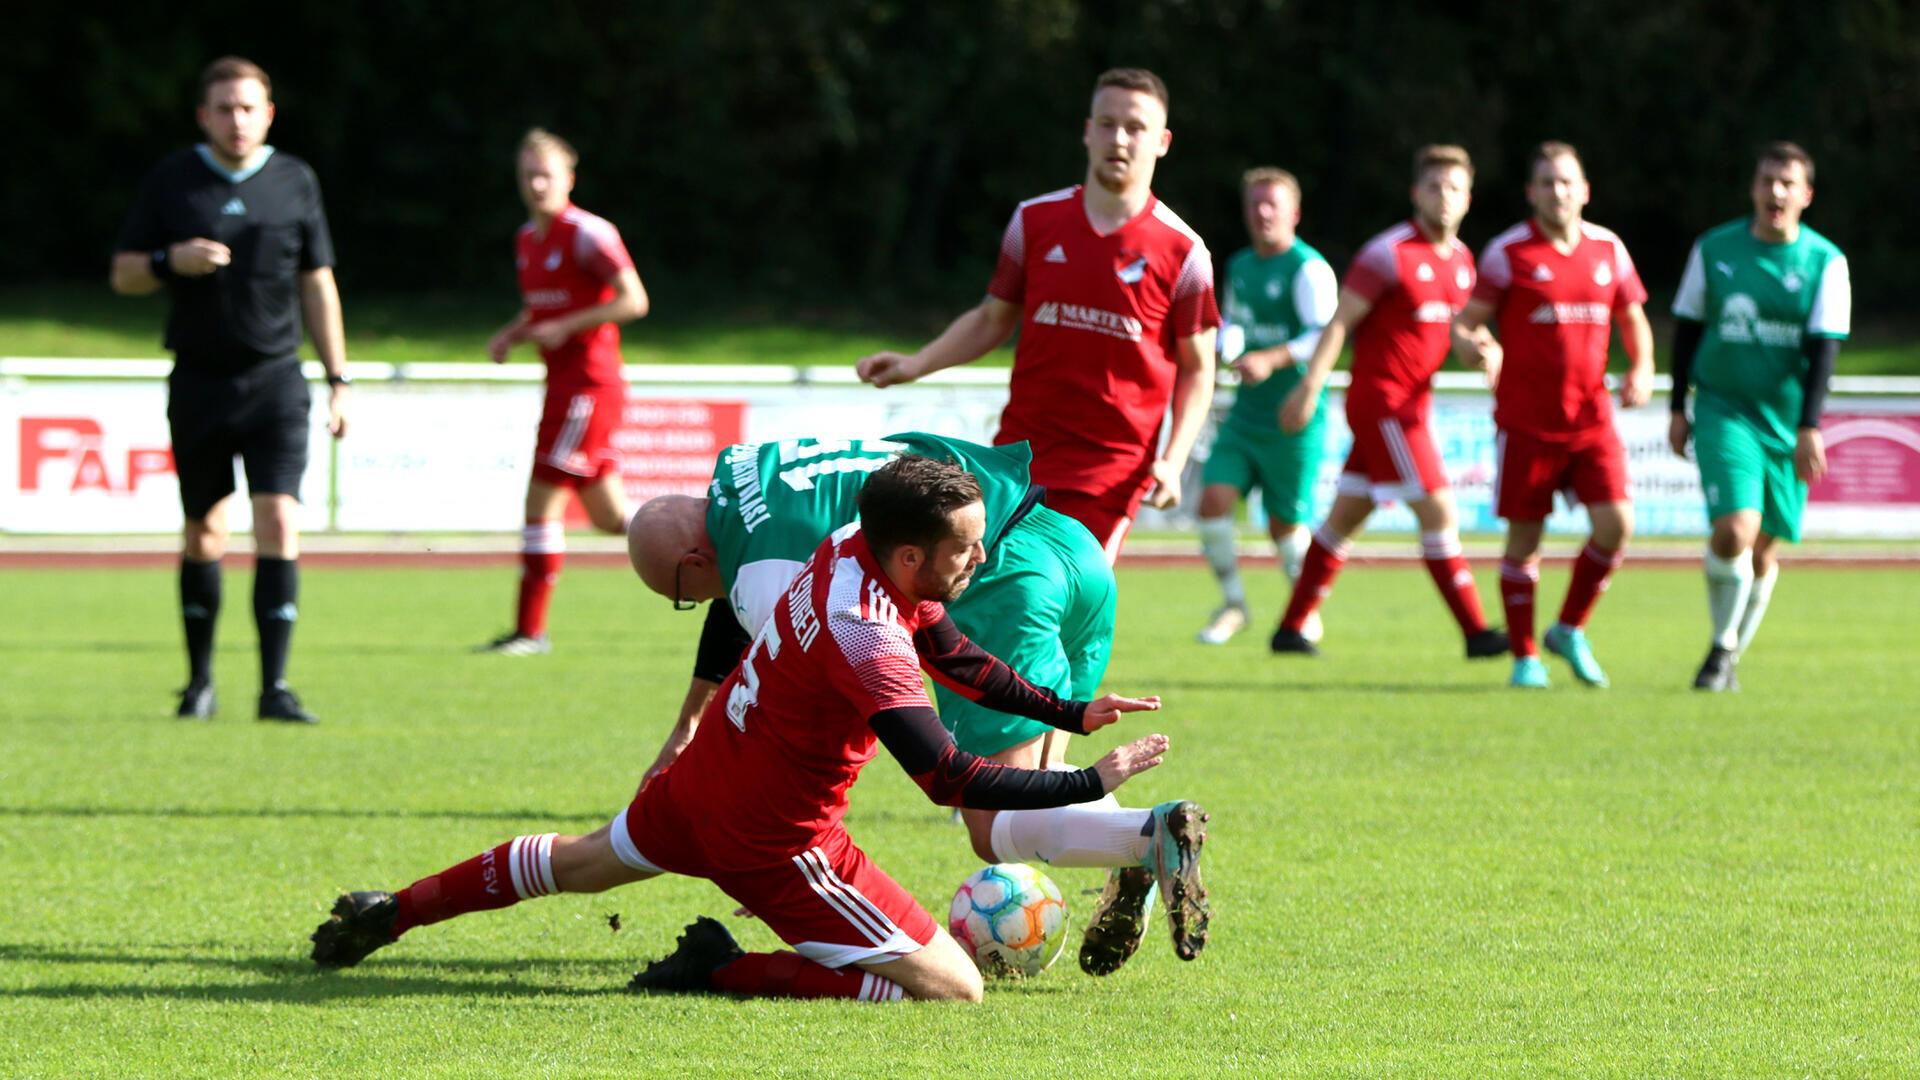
(1416, 289)
(1554, 314)
(570, 268)
(1094, 369)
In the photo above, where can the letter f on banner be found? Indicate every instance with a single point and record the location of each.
(47, 438)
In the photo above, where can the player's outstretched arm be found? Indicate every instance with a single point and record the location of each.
(957, 663)
(1106, 710)
(1129, 760)
(699, 694)
(977, 332)
(952, 777)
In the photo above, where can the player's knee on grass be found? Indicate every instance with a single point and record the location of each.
(938, 971)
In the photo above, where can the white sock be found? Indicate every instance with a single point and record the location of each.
(1729, 584)
(1217, 543)
(530, 866)
(1086, 835)
(1292, 549)
(1756, 607)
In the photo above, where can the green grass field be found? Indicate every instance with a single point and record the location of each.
(1415, 872)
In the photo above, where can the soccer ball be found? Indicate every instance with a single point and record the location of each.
(1011, 919)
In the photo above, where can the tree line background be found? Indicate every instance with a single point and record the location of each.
(860, 157)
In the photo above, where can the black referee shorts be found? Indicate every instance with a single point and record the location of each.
(260, 415)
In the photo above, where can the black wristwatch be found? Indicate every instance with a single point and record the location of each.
(162, 267)
(335, 378)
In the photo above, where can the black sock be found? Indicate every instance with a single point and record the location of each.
(199, 609)
(276, 587)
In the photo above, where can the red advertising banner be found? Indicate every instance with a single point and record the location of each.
(1872, 460)
(668, 447)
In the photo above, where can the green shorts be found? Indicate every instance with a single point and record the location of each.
(1284, 467)
(1043, 603)
(1739, 471)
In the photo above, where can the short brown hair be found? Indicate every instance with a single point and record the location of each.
(1267, 174)
(229, 68)
(546, 142)
(1786, 152)
(1140, 79)
(1552, 150)
(909, 500)
(1437, 155)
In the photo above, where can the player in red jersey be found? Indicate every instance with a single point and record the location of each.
(1398, 300)
(1553, 285)
(1113, 296)
(578, 285)
(755, 803)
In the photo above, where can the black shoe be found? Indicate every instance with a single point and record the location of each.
(280, 704)
(1292, 641)
(361, 922)
(1716, 671)
(1487, 643)
(1119, 921)
(704, 948)
(197, 702)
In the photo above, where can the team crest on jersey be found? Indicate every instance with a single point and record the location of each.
(1541, 273)
(234, 207)
(553, 260)
(1132, 267)
(1792, 281)
(1462, 277)
(1273, 289)
(1425, 273)
(1602, 274)
(1056, 254)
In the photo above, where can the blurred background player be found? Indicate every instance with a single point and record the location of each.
(1043, 601)
(1763, 305)
(1554, 284)
(237, 235)
(1398, 301)
(1113, 296)
(756, 804)
(577, 285)
(1280, 293)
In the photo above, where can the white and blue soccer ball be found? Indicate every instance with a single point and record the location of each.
(1011, 919)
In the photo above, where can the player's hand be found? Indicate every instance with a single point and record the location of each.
(337, 412)
(1255, 367)
(1810, 456)
(198, 257)
(1165, 493)
(500, 345)
(1125, 761)
(1678, 432)
(885, 369)
(548, 335)
(1106, 710)
(1637, 388)
(1297, 411)
(677, 741)
(1487, 355)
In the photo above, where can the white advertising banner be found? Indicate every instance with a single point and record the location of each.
(435, 454)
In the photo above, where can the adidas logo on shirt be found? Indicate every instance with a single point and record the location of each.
(1425, 273)
(1056, 254)
(1541, 273)
(234, 207)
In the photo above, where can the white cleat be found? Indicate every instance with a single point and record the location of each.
(1226, 622)
(1312, 629)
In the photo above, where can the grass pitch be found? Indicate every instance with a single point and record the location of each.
(1415, 871)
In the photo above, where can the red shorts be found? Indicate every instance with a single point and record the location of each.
(575, 446)
(1589, 469)
(830, 902)
(1106, 517)
(1393, 459)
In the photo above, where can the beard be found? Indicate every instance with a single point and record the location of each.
(932, 588)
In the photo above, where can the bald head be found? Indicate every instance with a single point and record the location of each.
(667, 532)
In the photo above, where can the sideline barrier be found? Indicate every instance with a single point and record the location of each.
(448, 447)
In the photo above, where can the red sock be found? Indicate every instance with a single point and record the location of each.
(545, 547)
(1592, 571)
(1518, 583)
(1325, 556)
(787, 974)
(1455, 580)
(517, 870)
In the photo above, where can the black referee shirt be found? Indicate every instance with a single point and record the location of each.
(270, 217)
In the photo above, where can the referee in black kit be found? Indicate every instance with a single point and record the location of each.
(236, 234)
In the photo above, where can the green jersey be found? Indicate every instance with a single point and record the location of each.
(1758, 302)
(1281, 300)
(771, 504)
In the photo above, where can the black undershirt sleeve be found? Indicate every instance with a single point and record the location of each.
(722, 643)
(1686, 341)
(979, 676)
(1822, 354)
(952, 777)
